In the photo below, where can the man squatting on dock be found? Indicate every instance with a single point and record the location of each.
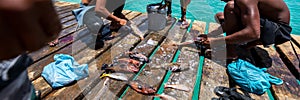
(251, 22)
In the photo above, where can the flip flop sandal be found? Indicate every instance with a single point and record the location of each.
(53, 43)
(230, 93)
(222, 91)
(184, 25)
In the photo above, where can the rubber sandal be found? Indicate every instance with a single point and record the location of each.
(226, 93)
(184, 25)
(53, 43)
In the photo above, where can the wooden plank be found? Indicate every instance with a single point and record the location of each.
(290, 89)
(68, 24)
(38, 55)
(67, 9)
(133, 14)
(153, 76)
(65, 32)
(62, 4)
(65, 15)
(288, 56)
(146, 48)
(296, 39)
(125, 12)
(188, 57)
(66, 19)
(84, 86)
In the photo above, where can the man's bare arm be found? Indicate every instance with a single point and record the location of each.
(250, 19)
(103, 12)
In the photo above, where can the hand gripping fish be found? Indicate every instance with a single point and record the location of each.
(120, 67)
(117, 76)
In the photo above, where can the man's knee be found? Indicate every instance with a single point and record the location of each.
(229, 6)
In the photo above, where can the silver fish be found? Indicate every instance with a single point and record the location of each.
(165, 97)
(136, 30)
(178, 87)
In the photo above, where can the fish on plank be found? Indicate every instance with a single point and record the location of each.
(117, 76)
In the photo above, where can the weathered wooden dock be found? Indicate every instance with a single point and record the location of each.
(202, 76)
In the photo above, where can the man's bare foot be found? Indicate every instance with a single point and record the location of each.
(53, 43)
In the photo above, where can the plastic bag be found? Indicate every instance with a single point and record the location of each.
(64, 71)
(250, 78)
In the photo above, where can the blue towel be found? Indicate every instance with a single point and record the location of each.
(78, 13)
(64, 70)
(250, 78)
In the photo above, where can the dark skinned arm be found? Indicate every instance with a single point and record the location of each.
(250, 19)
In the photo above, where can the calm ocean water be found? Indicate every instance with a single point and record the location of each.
(204, 10)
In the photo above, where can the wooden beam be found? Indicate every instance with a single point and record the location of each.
(288, 56)
(66, 19)
(296, 39)
(65, 38)
(290, 89)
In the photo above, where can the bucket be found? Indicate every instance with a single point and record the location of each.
(157, 19)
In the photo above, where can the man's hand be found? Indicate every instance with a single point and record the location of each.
(122, 21)
(204, 40)
(26, 27)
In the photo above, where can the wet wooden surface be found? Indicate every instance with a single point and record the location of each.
(155, 70)
(290, 89)
(81, 45)
(289, 56)
(189, 61)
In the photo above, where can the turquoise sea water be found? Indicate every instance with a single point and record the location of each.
(204, 10)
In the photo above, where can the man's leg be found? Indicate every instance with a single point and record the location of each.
(219, 17)
(169, 5)
(184, 4)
